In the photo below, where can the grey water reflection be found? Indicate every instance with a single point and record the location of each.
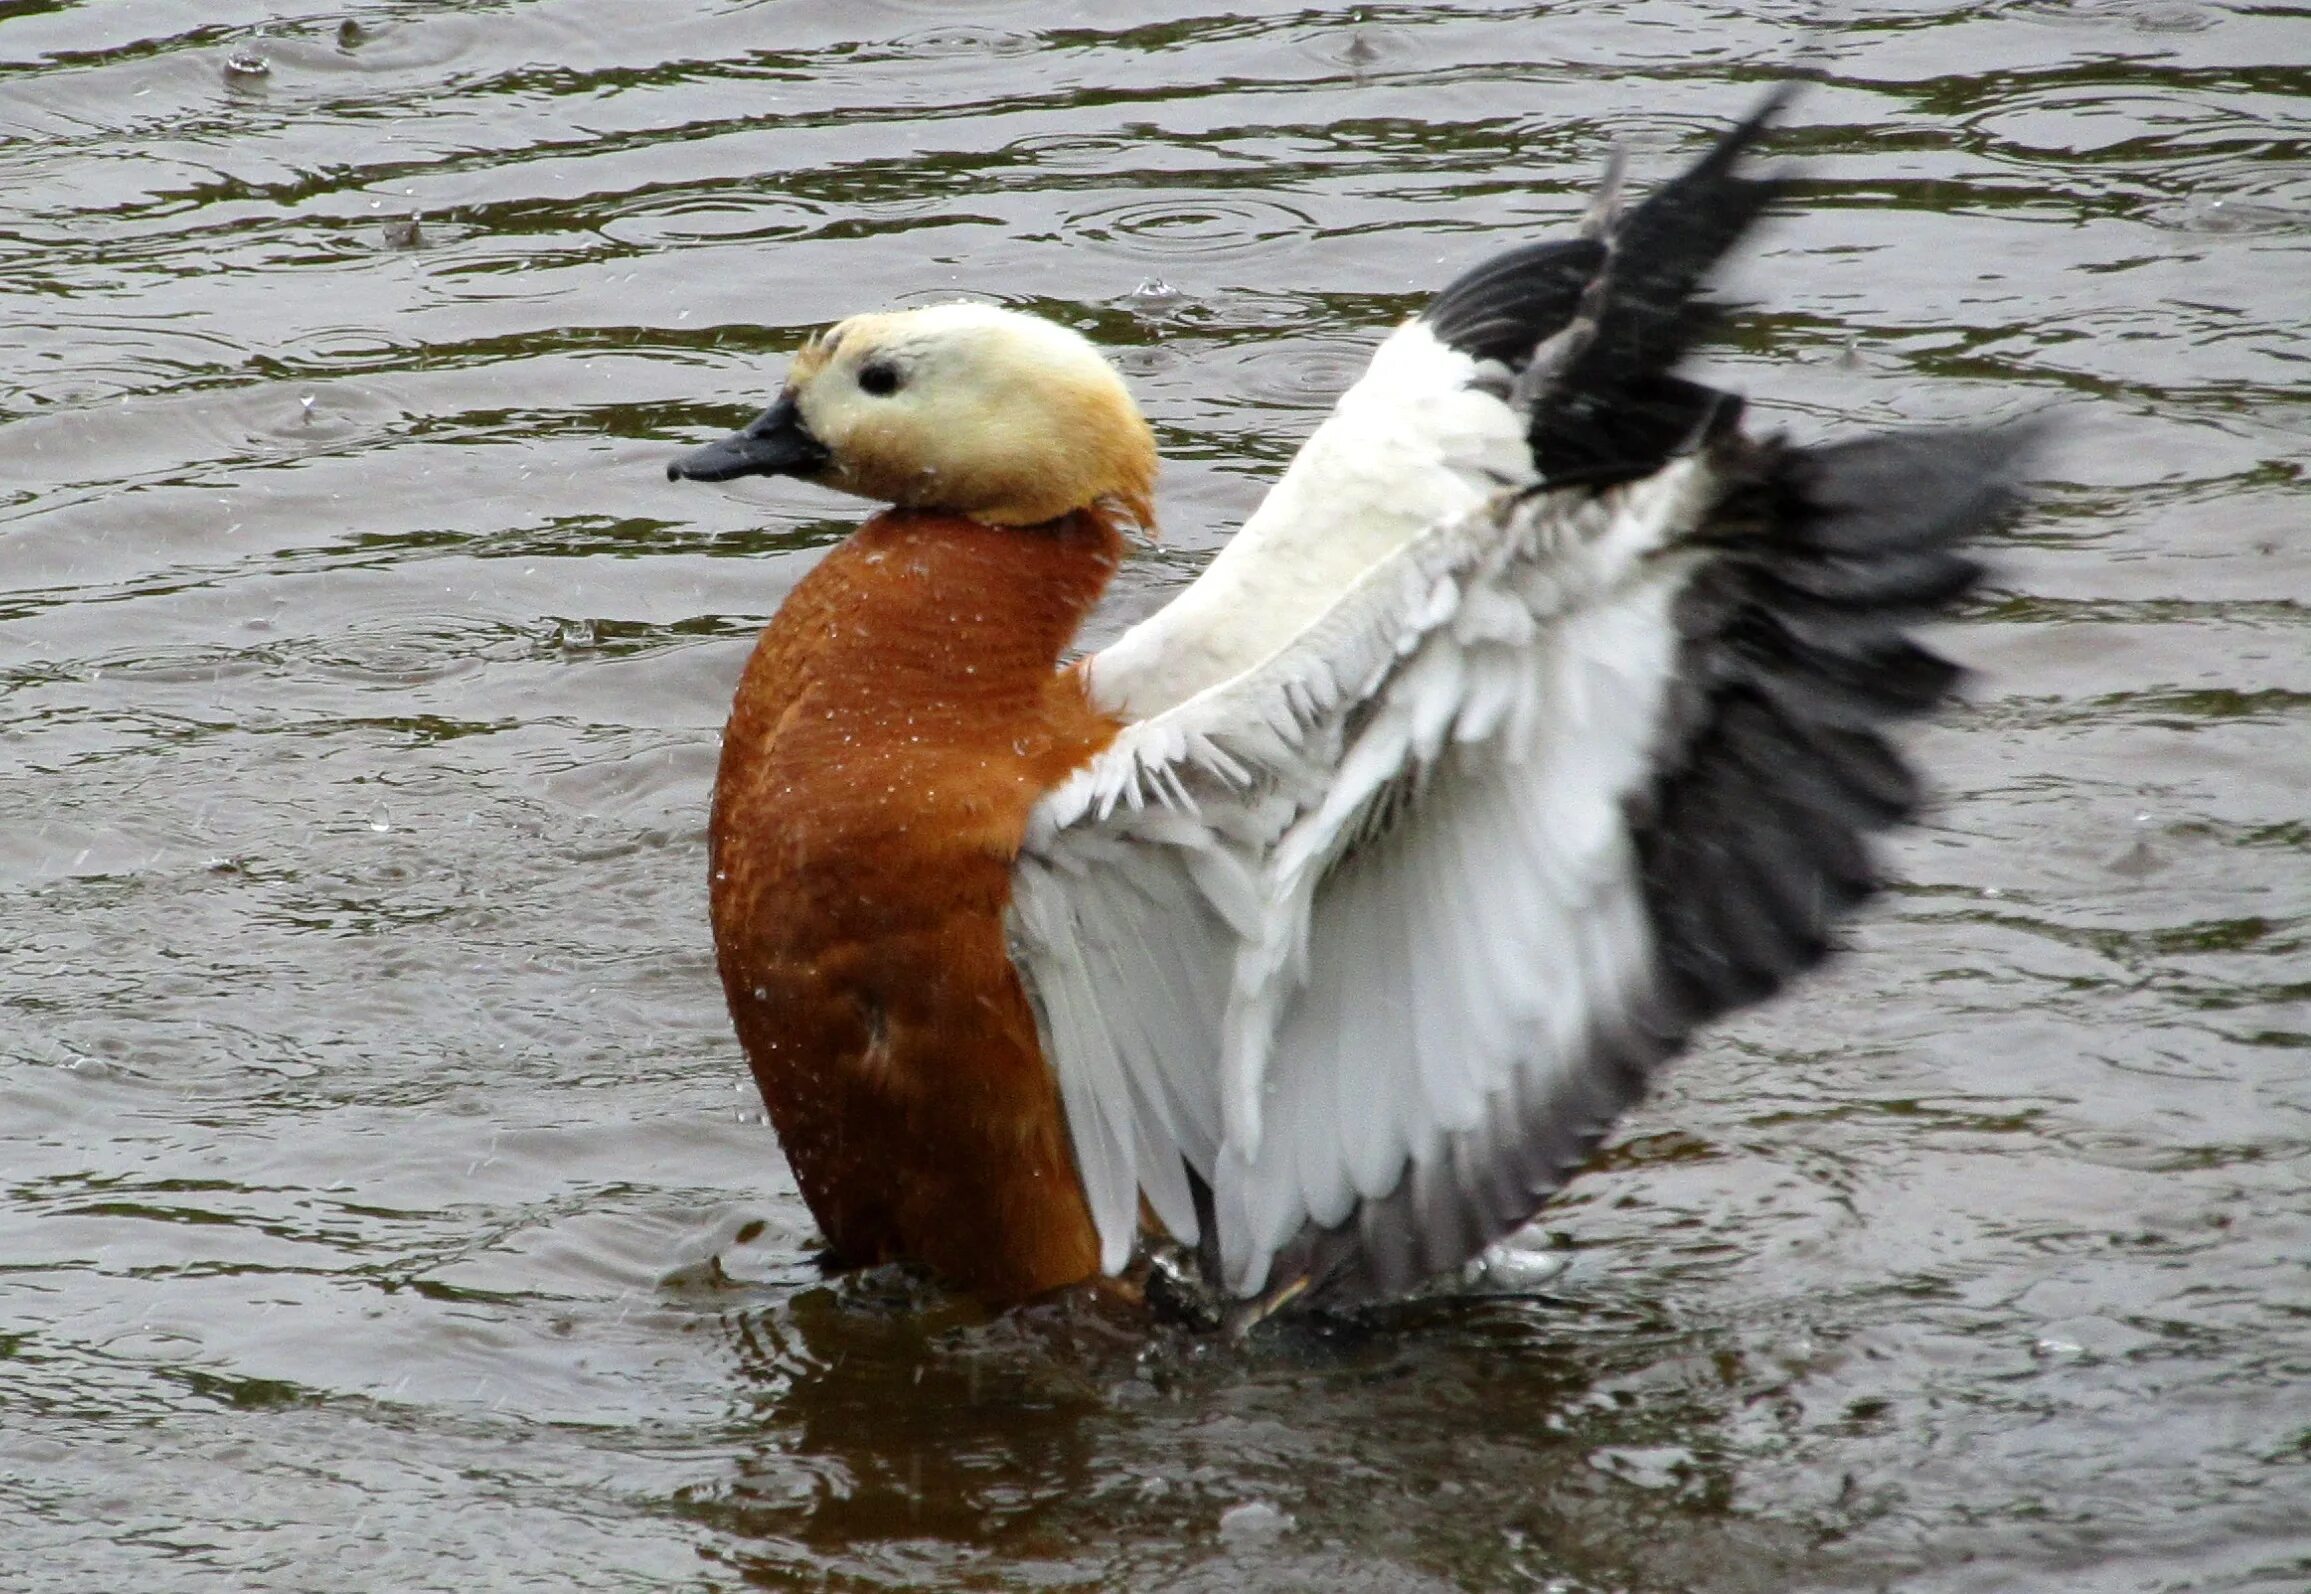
(382, 1203)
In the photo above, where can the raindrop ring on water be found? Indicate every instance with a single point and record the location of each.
(1200, 226)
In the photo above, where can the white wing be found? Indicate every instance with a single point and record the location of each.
(1463, 791)
(1374, 940)
(1311, 929)
(1421, 437)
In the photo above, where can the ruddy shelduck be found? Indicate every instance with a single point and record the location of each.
(1327, 919)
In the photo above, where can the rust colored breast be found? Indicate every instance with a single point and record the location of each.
(900, 716)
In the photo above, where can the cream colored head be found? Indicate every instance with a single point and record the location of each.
(975, 410)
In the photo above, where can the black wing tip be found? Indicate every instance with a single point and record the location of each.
(1777, 99)
(1914, 492)
(1776, 771)
(1713, 173)
(1611, 409)
(1505, 305)
(1995, 448)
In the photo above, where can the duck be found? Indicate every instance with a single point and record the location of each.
(1317, 929)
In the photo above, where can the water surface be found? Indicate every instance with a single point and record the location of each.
(382, 1200)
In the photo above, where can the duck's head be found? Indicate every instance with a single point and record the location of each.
(968, 409)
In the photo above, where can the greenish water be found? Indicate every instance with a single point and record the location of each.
(383, 1204)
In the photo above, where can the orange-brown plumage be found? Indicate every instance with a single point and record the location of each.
(900, 716)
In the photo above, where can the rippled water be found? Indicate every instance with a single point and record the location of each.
(382, 1204)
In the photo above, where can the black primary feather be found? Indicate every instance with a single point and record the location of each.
(1504, 307)
(1612, 411)
(1625, 303)
(1772, 768)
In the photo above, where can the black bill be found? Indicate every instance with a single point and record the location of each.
(774, 443)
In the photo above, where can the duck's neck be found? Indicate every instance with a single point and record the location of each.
(921, 613)
(922, 652)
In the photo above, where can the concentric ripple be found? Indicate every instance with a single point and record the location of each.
(1192, 227)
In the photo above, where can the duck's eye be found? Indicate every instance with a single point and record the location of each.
(879, 377)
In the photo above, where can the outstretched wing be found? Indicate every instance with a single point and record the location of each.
(1346, 963)
(1347, 956)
